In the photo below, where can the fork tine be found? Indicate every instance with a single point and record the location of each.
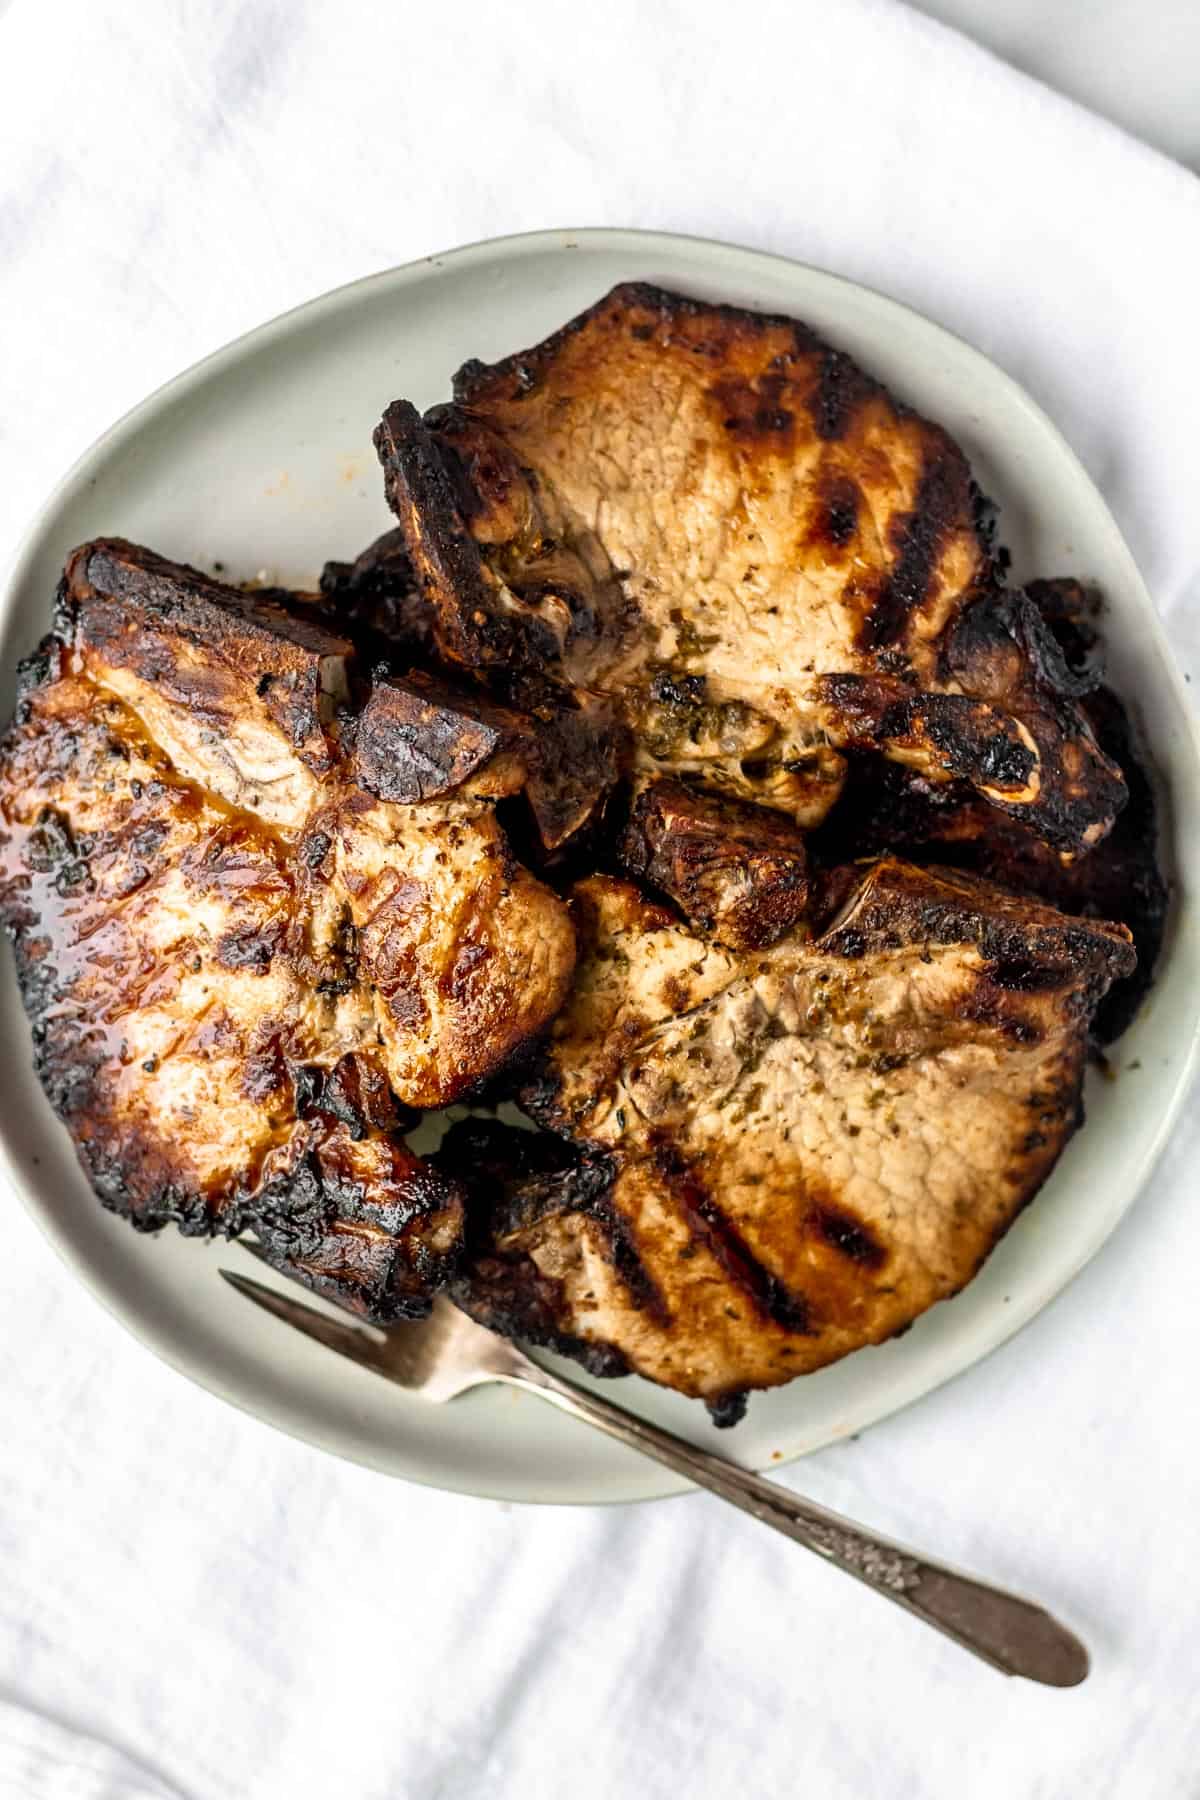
(348, 1340)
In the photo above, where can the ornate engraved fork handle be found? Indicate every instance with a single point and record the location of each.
(1012, 1634)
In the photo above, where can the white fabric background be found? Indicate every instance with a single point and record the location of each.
(247, 1618)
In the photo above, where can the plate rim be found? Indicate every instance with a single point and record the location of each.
(508, 247)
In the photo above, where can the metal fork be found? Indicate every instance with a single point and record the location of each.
(447, 1354)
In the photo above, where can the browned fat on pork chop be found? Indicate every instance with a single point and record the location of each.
(262, 907)
(887, 807)
(768, 1159)
(722, 527)
(738, 873)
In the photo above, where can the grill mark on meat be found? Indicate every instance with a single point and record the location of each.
(753, 411)
(588, 1182)
(837, 512)
(849, 1235)
(626, 1259)
(456, 981)
(1020, 975)
(840, 389)
(770, 1296)
(989, 1003)
(918, 539)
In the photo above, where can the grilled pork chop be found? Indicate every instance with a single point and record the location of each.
(736, 538)
(768, 1159)
(262, 909)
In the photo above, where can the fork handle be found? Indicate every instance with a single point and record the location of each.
(1013, 1635)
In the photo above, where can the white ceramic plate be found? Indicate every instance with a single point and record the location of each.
(261, 458)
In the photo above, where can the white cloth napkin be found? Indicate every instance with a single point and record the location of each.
(252, 1619)
(42, 1758)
